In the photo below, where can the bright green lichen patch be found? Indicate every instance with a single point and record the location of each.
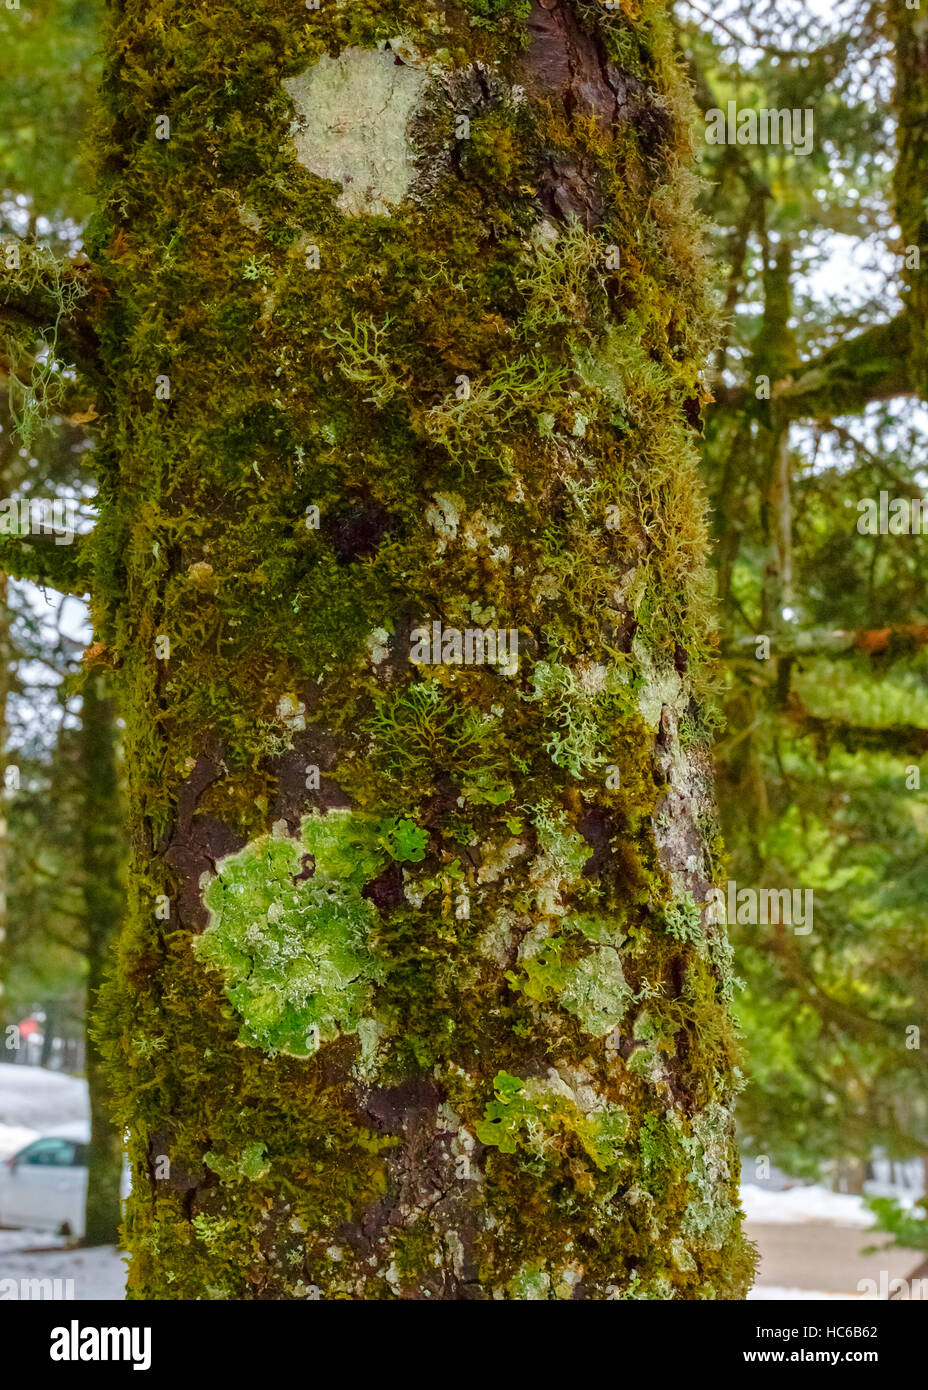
(589, 983)
(531, 1284)
(252, 1163)
(549, 1120)
(294, 949)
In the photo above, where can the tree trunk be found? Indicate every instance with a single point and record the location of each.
(101, 847)
(6, 670)
(52, 1011)
(400, 556)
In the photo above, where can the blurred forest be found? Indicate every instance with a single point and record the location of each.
(821, 745)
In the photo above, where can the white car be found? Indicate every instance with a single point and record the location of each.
(44, 1184)
(44, 1133)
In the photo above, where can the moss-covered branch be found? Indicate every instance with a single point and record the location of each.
(884, 644)
(39, 559)
(43, 299)
(874, 365)
(902, 740)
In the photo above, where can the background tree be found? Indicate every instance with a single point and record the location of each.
(821, 761)
(63, 852)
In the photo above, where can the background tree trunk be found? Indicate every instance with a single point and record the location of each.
(417, 996)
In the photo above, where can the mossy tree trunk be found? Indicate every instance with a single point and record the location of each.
(101, 846)
(417, 995)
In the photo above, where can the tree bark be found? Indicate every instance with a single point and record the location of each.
(416, 995)
(102, 859)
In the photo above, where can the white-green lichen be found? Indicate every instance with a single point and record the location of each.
(579, 707)
(547, 1119)
(683, 919)
(711, 1214)
(592, 986)
(289, 929)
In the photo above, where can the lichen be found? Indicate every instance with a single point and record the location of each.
(293, 945)
(551, 1120)
(591, 985)
(353, 116)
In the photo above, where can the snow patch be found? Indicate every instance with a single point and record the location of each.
(795, 1205)
(762, 1292)
(99, 1274)
(34, 1098)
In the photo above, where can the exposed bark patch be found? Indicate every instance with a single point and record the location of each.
(198, 842)
(563, 60)
(596, 828)
(386, 891)
(162, 1146)
(405, 1108)
(314, 746)
(358, 529)
(426, 1188)
(569, 190)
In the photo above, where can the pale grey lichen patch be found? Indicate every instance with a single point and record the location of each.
(354, 111)
(659, 685)
(443, 517)
(685, 809)
(686, 771)
(378, 644)
(712, 1213)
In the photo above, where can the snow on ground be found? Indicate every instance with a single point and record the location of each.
(804, 1204)
(98, 1274)
(37, 1099)
(762, 1292)
(15, 1137)
(14, 1240)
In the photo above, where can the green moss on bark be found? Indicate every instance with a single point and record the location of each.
(392, 885)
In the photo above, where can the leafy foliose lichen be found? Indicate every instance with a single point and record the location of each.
(252, 1163)
(683, 919)
(289, 928)
(548, 1120)
(589, 983)
(581, 707)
